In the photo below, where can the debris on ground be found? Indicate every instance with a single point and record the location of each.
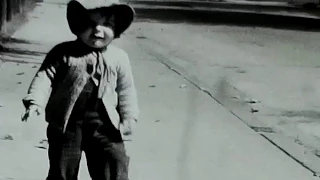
(21, 73)
(43, 144)
(252, 101)
(7, 137)
(262, 129)
(141, 37)
(254, 110)
(241, 71)
(183, 86)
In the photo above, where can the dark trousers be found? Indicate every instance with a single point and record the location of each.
(102, 145)
(93, 134)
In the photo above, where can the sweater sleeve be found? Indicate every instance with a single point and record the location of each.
(41, 85)
(127, 95)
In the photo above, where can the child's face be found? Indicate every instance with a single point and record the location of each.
(99, 30)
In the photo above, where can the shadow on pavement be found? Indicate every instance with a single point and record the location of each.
(14, 40)
(21, 51)
(228, 18)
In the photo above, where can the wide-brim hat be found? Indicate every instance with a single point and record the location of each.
(77, 13)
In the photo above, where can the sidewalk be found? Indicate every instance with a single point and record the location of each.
(182, 133)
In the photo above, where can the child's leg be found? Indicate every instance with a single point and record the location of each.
(64, 153)
(105, 152)
(110, 164)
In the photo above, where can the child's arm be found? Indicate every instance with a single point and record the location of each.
(128, 101)
(40, 88)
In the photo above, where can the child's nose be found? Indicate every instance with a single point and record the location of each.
(98, 31)
(98, 28)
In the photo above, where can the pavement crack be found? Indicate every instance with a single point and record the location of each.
(292, 157)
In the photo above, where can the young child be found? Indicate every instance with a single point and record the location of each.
(87, 90)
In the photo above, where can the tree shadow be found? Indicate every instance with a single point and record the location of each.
(24, 58)
(7, 51)
(21, 51)
(5, 40)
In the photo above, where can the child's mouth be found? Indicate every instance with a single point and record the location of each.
(97, 37)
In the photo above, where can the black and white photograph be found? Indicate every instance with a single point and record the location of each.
(159, 89)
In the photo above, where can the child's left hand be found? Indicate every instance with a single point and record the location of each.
(30, 111)
(126, 128)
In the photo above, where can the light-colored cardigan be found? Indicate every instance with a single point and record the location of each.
(63, 75)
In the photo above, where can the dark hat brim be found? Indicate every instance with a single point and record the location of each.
(124, 16)
(77, 14)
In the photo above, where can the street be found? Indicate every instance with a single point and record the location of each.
(200, 88)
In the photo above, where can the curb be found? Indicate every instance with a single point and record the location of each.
(217, 4)
(296, 152)
(240, 6)
(221, 16)
(231, 9)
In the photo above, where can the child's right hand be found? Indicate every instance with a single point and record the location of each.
(30, 112)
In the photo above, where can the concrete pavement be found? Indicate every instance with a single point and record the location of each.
(278, 69)
(182, 134)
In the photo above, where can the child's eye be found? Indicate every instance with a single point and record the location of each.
(110, 22)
